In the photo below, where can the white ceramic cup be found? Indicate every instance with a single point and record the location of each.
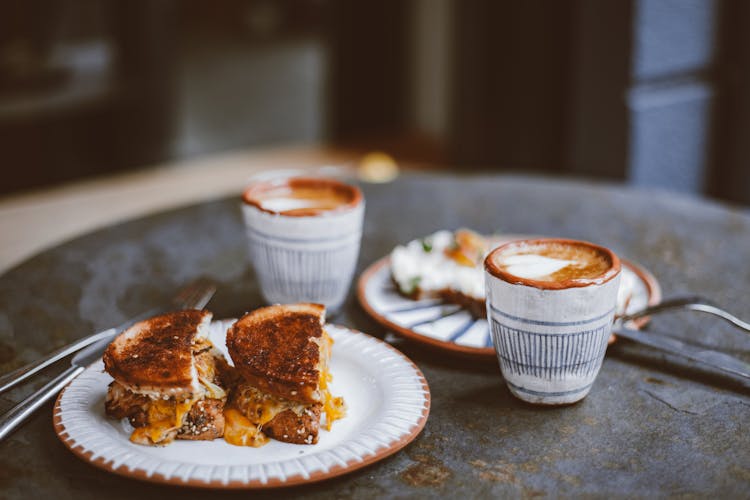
(550, 337)
(304, 255)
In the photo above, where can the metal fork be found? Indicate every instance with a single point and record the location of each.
(195, 295)
(690, 303)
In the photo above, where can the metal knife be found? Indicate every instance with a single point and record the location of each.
(83, 358)
(193, 296)
(666, 343)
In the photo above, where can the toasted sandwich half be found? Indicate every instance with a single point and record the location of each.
(281, 355)
(168, 379)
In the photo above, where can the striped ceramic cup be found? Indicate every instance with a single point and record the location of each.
(303, 236)
(551, 303)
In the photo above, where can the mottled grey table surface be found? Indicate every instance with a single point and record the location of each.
(651, 426)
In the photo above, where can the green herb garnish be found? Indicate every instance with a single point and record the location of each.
(413, 285)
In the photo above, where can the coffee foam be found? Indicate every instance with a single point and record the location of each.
(286, 204)
(532, 266)
(301, 197)
(553, 261)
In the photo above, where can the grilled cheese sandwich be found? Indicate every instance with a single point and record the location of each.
(281, 353)
(167, 381)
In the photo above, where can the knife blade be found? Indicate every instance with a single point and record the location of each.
(672, 345)
(83, 358)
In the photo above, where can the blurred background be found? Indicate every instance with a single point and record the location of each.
(650, 92)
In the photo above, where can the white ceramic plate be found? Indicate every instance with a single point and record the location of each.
(388, 403)
(451, 327)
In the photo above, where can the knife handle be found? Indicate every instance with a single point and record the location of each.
(23, 410)
(17, 376)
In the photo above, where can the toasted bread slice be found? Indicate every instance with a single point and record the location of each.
(160, 420)
(155, 357)
(444, 265)
(281, 350)
(281, 354)
(169, 379)
(476, 307)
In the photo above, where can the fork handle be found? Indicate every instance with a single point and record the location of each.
(23, 410)
(17, 376)
(691, 303)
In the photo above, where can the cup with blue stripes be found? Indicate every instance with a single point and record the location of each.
(303, 236)
(550, 304)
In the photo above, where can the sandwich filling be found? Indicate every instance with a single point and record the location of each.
(169, 379)
(254, 415)
(161, 419)
(333, 407)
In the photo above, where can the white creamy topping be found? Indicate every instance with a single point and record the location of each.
(531, 266)
(625, 292)
(413, 266)
(284, 204)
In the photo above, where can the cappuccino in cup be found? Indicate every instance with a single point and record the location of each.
(550, 305)
(301, 197)
(303, 238)
(553, 262)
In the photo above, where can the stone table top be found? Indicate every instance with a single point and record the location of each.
(652, 425)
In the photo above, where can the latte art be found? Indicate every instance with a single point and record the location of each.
(553, 261)
(301, 197)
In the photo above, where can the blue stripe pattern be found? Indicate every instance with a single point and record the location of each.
(461, 330)
(550, 356)
(313, 275)
(442, 314)
(414, 306)
(260, 235)
(550, 323)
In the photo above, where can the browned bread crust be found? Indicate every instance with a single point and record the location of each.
(156, 355)
(477, 308)
(289, 427)
(277, 350)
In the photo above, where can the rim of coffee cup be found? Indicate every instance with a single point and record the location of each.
(352, 191)
(493, 269)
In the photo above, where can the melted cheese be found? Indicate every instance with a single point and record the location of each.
(334, 408)
(240, 431)
(261, 408)
(253, 408)
(164, 419)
